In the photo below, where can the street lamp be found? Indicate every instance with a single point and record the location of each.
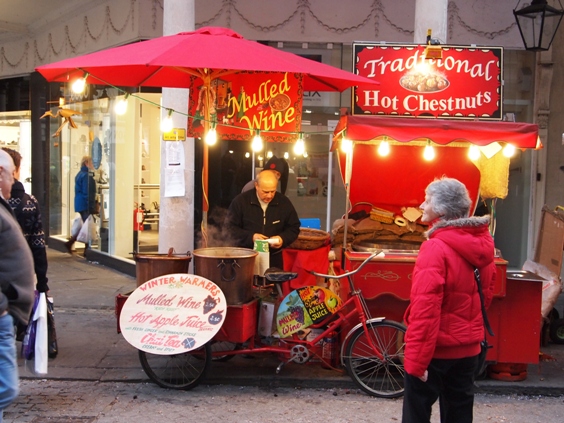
(538, 23)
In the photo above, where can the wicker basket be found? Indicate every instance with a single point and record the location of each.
(310, 239)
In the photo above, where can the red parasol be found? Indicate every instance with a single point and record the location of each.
(208, 53)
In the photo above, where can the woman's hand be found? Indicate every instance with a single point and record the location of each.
(424, 377)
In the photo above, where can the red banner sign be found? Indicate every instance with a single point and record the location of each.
(465, 83)
(243, 102)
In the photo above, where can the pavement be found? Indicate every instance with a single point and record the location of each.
(90, 349)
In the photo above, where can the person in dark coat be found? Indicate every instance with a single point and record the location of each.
(27, 211)
(16, 285)
(84, 195)
(444, 318)
(263, 213)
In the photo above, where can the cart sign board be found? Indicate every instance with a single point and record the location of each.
(173, 314)
(244, 102)
(304, 307)
(466, 83)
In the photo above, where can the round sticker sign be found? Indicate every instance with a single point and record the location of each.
(173, 314)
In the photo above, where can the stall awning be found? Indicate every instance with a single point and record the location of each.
(439, 131)
(399, 180)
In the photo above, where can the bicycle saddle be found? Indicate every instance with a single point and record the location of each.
(273, 274)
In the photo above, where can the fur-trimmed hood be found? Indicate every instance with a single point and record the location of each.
(473, 221)
(469, 236)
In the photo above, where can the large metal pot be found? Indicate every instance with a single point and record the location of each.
(232, 269)
(149, 266)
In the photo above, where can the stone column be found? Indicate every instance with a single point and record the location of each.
(176, 220)
(431, 14)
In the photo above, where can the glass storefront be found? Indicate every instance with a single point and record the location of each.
(125, 151)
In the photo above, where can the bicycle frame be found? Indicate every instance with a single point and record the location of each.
(359, 312)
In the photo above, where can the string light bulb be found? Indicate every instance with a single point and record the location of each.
(429, 152)
(346, 145)
(269, 155)
(474, 153)
(121, 105)
(299, 147)
(384, 148)
(79, 85)
(256, 145)
(286, 155)
(509, 150)
(211, 136)
(166, 123)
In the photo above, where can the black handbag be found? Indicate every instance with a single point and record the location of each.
(484, 346)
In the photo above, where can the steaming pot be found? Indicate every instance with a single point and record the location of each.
(232, 269)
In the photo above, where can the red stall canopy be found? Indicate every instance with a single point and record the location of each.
(399, 179)
(443, 132)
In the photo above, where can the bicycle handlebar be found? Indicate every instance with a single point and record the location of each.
(352, 272)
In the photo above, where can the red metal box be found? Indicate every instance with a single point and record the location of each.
(240, 323)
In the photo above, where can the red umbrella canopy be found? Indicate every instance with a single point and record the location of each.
(169, 61)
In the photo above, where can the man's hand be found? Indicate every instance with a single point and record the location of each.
(276, 242)
(258, 237)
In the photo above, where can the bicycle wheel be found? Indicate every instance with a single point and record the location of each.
(224, 346)
(380, 377)
(179, 371)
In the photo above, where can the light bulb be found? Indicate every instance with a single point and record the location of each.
(384, 148)
(247, 154)
(429, 152)
(473, 153)
(257, 142)
(305, 153)
(299, 147)
(508, 150)
(286, 155)
(346, 145)
(166, 123)
(121, 106)
(79, 85)
(269, 155)
(211, 136)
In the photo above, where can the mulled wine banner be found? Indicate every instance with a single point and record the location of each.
(243, 102)
(465, 83)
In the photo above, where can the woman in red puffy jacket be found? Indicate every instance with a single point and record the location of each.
(444, 318)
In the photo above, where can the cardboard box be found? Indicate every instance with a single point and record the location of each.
(550, 240)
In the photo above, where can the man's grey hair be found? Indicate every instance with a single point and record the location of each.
(449, 198)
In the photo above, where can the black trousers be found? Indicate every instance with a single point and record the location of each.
(449, 381)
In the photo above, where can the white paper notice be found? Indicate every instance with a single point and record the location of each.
(174, 182)
(175, 154)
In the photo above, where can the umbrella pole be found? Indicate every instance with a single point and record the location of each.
(205, 199)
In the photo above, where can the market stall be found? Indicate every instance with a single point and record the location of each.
(384, 191)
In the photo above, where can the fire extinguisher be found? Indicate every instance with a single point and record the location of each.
(138, 218)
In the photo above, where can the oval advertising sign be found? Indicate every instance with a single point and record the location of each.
(173, 314)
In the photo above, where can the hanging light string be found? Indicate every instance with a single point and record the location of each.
(211, 137)
(213, 123)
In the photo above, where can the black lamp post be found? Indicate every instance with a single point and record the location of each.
(538, 23)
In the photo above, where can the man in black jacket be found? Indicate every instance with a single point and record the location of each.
(263, 213)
